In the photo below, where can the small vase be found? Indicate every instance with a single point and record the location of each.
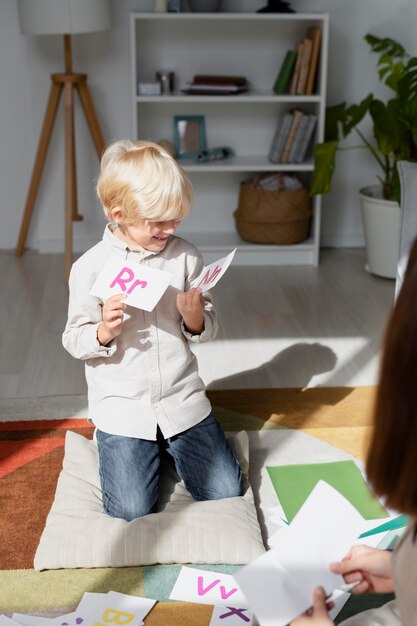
(204, 6)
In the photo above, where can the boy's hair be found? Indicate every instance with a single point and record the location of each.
(392, 459)
(144, 181)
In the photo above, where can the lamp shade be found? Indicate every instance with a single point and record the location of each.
(60, 17)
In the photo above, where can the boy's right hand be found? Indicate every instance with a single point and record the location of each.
(111, 326)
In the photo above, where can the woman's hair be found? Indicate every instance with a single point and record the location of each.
(392, 457)
(144, 181)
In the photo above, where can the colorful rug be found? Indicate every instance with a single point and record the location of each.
(31, 456)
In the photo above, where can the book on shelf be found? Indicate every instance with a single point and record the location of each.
(279, 138)
(210, 84)
(240, 81)
(306, 138)
(296, 73)
(284, 74)
(297, 114)
(304, 64)
(298, 138)
(314, 34)
(213, 88)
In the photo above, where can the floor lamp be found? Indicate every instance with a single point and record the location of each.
(65, 17)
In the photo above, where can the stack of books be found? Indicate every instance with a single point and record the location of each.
(292, 137)
(299, 67)
(209, 84)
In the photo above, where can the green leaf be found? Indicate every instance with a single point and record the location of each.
(386, 45)
(324, 162)
(390, 130)
(334, 115)
(391, 61)
(355, 114)
(407, 89)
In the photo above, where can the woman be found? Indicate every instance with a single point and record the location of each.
(392, 472)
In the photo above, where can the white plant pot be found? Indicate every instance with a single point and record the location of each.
(381, 224)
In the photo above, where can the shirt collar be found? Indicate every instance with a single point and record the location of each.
(121, 248)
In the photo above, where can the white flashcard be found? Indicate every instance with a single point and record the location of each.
(197, 585)
(143, 286)
(114, 607)
(339, 598)
(75, 618)
(30, 620)
(279, 584)
(230, 616)
(212, 273)
(8, 621)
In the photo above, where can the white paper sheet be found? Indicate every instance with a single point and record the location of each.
(144, 286)
(197, 585)
(212, 273)
(30, 620)
(8, 621)
(279, 585)
(115, 607)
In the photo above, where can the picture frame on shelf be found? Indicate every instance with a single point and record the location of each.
(189, 136)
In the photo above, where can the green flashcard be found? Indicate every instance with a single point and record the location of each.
(294, 483)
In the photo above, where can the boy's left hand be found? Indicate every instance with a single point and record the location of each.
(191, 306)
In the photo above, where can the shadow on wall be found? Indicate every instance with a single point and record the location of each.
(293, 367)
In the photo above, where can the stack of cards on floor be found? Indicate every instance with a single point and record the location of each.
(103, 608)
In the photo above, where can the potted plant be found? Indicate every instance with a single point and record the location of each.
(394, 124)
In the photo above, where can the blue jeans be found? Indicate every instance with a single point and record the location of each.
(129, 468)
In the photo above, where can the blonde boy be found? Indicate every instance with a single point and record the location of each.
(145, 396)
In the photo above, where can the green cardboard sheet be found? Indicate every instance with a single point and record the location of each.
(294, 483)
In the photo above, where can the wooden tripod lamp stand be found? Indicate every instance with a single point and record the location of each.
(66, 17)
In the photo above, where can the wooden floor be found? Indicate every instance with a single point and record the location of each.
(280, 327)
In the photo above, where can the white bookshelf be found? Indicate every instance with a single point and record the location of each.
(252, 45)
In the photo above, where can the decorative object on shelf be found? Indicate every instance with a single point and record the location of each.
(149, 89)
(189, 135)
(160, 6)
(63, 17)
(272, 215)
(174, 6)
(276, 6)
(214, 154)
(168, 146)
(394, 125)
(167, 81)
(205, 6)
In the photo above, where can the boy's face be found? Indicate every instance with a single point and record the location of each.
(151, 236)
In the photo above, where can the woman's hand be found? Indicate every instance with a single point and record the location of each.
(111, 326)
(368, 568)
(317, 615)
(191, 306)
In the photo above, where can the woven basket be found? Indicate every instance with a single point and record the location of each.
(273, 217)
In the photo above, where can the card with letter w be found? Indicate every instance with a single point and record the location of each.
(143, 286)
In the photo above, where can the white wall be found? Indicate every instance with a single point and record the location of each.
(25, 66)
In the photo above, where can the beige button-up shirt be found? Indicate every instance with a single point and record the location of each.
(147, 376)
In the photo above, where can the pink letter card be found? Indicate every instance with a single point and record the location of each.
(144, 286)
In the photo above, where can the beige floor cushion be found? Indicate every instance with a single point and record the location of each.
(79, 534)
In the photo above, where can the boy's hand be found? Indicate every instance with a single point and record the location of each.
(191, 306)
(111, 326)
